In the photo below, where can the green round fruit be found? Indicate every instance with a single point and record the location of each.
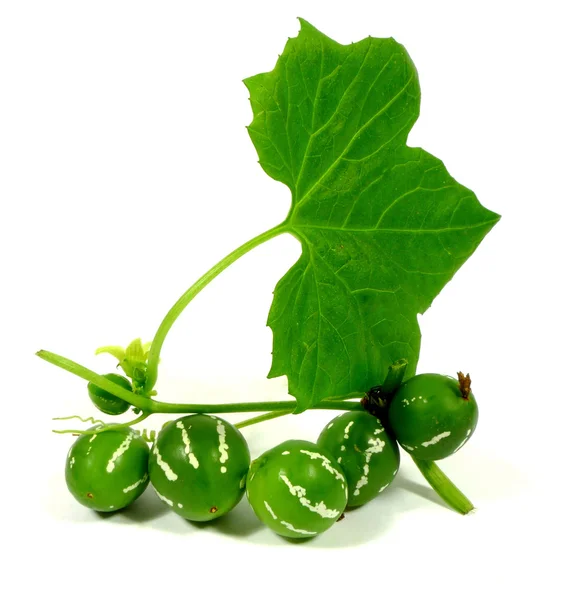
(297, 489)
(368, 456)
(430, 417)
(106, 402)
(198, 466)
(107, 471)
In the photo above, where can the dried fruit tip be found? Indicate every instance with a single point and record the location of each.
(464, 385)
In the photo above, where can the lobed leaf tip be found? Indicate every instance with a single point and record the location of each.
(304, 24)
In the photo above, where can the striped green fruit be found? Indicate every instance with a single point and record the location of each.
(430, 416)
(106, 402)
(198, 466)
(108, 470)
(368, 456)
(297, 489)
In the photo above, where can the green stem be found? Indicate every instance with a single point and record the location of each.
(265, 417)
(394, 377)
(147, 405)
(185, 299)
(378, 398)
(142, 402)
(446, 489)
(280, 405)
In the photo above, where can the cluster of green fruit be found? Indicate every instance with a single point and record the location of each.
(200, 465)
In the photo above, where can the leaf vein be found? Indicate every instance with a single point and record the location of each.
(335, 112)
(349, 144)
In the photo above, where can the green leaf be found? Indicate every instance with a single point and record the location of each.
(116, 351)
(135, 352)
(133, 359)
(383, 226)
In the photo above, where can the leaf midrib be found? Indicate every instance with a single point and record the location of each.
(295, 228)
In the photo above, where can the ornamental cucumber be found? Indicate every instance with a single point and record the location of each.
(198, 466)
(368, 456)
(431, 418)
(297, 489)
(107, 471)
(106, 402)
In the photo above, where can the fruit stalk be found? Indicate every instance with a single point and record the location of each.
(264, 417)
(444, 487)
(377, 399)
(395, 375)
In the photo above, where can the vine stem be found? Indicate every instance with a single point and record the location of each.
(444, 487)
(185, 299)
(281, 406)
(147, 405)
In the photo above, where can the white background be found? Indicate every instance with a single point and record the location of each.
(126, 171)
